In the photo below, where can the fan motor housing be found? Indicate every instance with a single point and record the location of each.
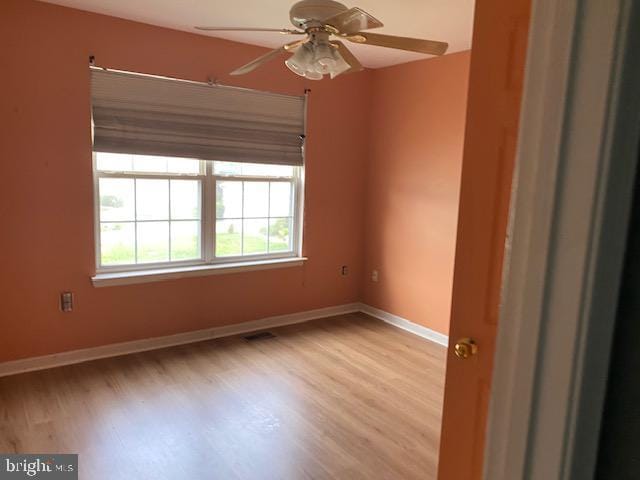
(310, 13)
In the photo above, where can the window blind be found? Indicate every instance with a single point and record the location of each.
(148, 115)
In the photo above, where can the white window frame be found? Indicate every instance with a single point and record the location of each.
(296, 240)
(207, 221)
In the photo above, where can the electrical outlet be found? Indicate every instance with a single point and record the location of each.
(344, 271)
(66, 301)
(374, 276)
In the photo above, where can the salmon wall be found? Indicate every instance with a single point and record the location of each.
(46, 199)
(413, 185)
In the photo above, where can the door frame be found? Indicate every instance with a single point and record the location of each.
(573, 184)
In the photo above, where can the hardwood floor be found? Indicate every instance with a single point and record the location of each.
(347, 397)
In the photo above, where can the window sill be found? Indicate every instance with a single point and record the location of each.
(160, 274)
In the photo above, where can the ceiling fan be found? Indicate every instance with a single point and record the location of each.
(317, 54)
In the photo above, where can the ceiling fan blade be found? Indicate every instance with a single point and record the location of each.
(249, 67)
(285, 31)
(348, 57)
(430, 47)
(353, 20)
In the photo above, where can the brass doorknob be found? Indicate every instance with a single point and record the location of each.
(465, 348)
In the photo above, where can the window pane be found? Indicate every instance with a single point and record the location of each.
(124, 162)
(185, 199)
(152, 199)
(228, 238)
(260, 170)
(148, 163)
(280, 234)
(255, 236)
(116, 199)
(256, 199)
(252, 169)
(115, 162)
(280, 200)
(185, 240)
(227, 168)
(183, 165)
(228, 199)
(159, 218)
(117, 243)
(153, 242)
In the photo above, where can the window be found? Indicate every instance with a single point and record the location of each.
(211, 175)
(154, 211)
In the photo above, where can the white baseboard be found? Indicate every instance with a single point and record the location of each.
(116, 349)
(405, 324)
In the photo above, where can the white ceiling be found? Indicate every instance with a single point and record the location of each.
(445, 20)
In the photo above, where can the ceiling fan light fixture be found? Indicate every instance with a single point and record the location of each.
(313, 75)
(340, 64)
(300, 61)
(294, 68)
(314, 60)
(323, 58)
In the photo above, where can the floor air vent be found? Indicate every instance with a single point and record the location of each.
(258, 336)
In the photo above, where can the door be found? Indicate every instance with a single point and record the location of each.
(495, 88)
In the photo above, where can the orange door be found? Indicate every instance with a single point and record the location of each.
(495, 87)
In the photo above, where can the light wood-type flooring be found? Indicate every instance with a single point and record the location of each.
(347, 397)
